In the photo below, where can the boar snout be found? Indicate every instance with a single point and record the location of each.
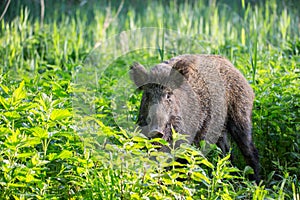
(157, 120)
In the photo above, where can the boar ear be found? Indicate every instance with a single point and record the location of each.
(138, 74)
(180, 71)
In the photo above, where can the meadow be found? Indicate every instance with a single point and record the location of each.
(67, 106)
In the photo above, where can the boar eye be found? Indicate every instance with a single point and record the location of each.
(148, 120)
(168, 95)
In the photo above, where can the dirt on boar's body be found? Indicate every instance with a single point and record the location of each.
(202, 96)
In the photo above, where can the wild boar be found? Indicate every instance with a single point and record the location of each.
(202, 96)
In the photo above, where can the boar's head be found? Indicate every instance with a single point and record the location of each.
(166, 102)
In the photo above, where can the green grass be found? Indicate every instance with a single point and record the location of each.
(67, 133)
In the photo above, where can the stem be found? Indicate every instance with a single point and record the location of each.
(5, 9)
(42, 11)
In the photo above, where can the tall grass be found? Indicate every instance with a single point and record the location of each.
(43, 154)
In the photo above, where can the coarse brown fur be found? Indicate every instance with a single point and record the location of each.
(201, 96)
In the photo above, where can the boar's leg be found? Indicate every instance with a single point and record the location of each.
(223, 142)
(240, 131)
(225, 145)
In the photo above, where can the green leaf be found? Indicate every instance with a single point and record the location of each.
(26, 106)
(59, 114)
(12, 115)
(25, 155)
(4, 103)
(13, 138)
(4, 88)
(223, 160)
(248, 170)
(80, 170)
(36, 161)
(19, 93)
(138, 146)
(16, 185)
(4, 130)
(43, 100)
(197, 176)
(65, 154)
(139, 139)
(31, 142)
(206, 163)
(39, 132)
(29, 178)
(52, 156)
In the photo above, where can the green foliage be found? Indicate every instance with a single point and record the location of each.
(45, 153)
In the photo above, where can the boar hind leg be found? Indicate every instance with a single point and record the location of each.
(224, 145)
(240, 131)
(223, 142)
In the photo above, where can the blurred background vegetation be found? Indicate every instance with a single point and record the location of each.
(69, 6)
